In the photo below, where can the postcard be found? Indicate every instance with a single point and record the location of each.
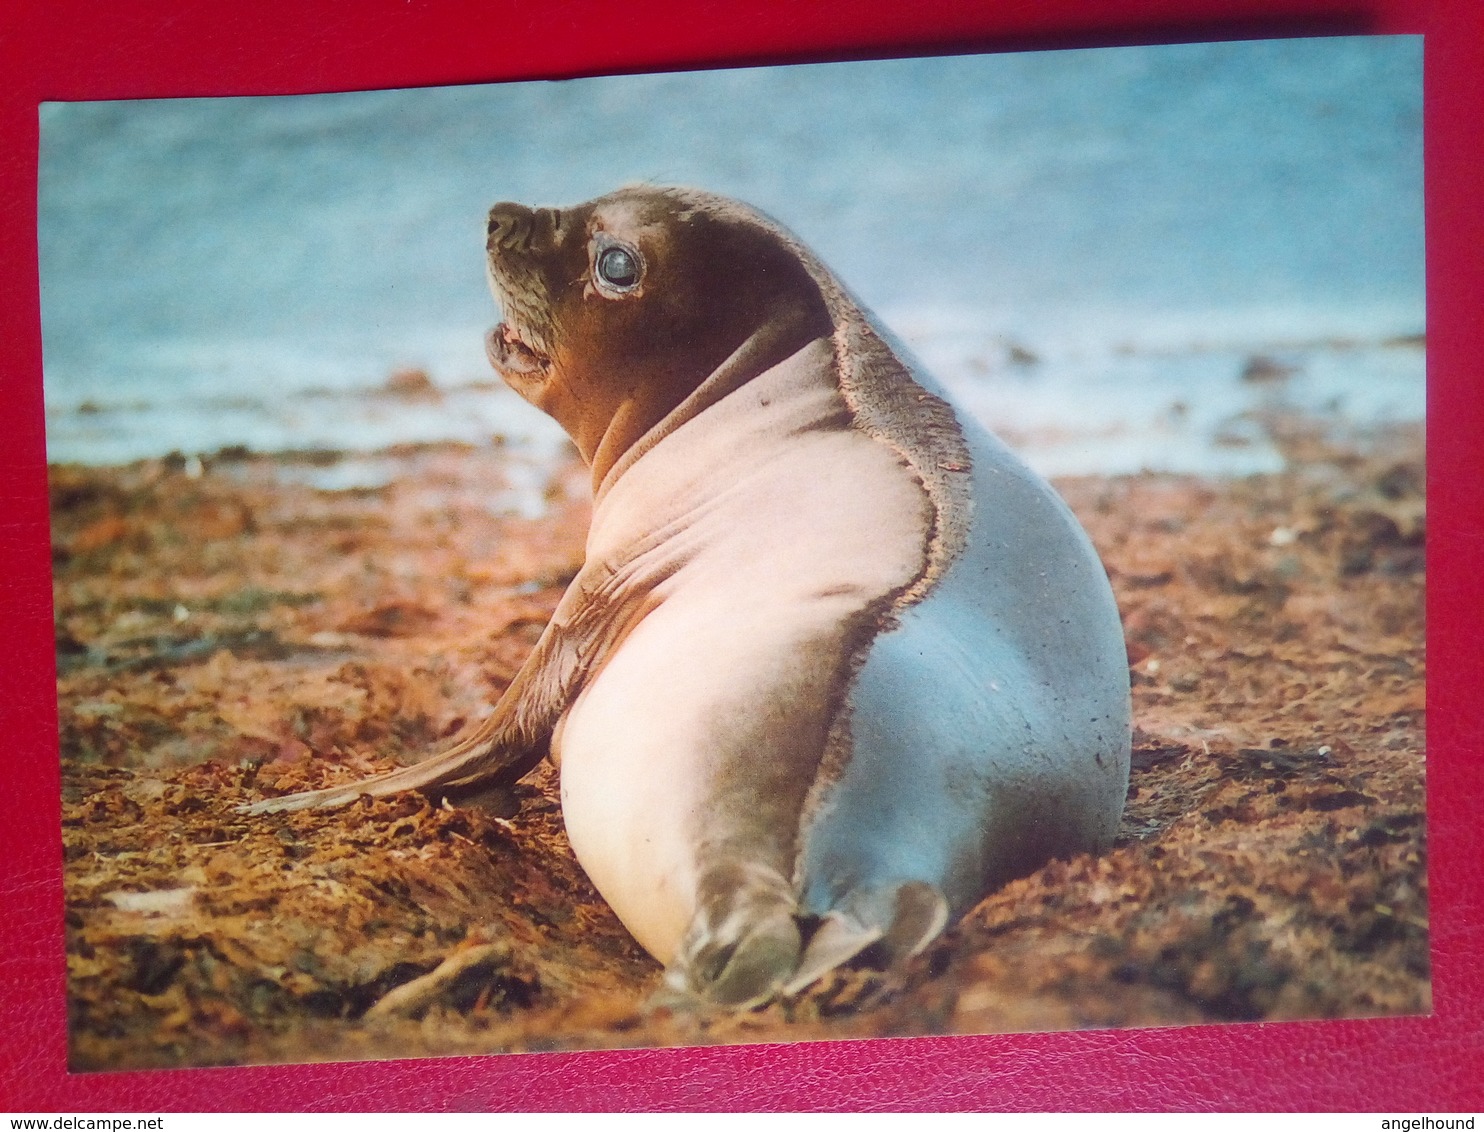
(831, 585)
(313, 521)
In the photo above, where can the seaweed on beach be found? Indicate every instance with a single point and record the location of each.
(226, 631)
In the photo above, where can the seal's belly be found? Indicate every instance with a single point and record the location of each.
(699, 739)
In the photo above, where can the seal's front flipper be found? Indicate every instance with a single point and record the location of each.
(479, 757)
(510, 743)
(903, 920)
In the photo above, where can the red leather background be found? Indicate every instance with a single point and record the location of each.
(82, 49)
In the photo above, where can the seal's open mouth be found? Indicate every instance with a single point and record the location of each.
(511, 354)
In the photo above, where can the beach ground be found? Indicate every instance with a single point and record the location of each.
(227, 631)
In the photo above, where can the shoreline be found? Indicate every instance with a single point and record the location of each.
(224, 632)
(1110, 410)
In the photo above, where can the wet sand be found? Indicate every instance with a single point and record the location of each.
(226, 631)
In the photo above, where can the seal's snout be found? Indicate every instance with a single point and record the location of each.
(509, 225)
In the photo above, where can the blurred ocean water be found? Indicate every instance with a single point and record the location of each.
(1092, 247)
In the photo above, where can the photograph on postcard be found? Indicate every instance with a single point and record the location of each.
(915, 546)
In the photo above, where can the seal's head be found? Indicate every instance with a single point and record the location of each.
(617, 310)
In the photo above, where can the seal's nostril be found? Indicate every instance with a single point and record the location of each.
(508, 223)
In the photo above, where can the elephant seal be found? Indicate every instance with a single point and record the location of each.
(837, 663)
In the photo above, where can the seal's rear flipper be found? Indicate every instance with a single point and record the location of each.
(903, 920)
(733, 974)
(742, 944)
(479, 757)
(838, 939)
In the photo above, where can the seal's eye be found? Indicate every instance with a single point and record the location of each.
(618, 267)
